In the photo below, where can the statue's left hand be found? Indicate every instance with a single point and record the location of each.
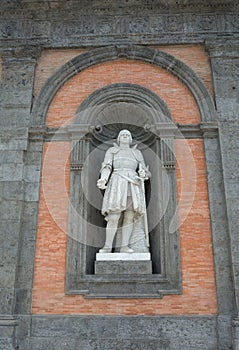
(101, 184)
(142, 173)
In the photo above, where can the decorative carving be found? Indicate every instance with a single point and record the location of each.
(205, 23)
(167, 153)
(138, 25)
(8, 28)
(173, 24)
(78, 154)
(232, 22)
(105, 27)
(41, 29)
(156, 24)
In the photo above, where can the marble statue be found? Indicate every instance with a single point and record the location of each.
(123, 173)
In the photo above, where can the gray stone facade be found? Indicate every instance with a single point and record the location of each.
(108, 30)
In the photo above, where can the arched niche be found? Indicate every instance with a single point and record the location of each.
(103, 114)
(79, 279)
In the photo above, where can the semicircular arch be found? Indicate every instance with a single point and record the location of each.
(133, 52)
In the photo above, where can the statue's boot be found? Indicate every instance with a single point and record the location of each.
(126, 250)
(105, 250)
(126, 233)
(110, 234)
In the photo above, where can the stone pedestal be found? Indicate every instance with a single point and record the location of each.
(123, 264)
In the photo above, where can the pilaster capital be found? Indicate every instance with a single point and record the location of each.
(20, 54)
(223, 47)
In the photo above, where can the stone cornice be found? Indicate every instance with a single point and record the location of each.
(77, 132)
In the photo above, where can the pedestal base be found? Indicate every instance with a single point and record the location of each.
(123, 264)
(123, 267)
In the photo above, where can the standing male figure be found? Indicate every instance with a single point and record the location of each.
(123, 170)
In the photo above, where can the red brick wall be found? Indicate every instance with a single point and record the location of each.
(199, 294)
(49, 62)
(196, 58)
(180, 102)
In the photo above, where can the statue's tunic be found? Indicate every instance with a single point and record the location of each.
(123, 181)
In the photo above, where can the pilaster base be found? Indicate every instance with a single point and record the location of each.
(235, 333)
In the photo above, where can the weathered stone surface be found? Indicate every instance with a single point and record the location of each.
(139, 332)
(219, 224)
(101, 23)
(12, 172)
(6, 301)
(13, 190)
(7, 344)
(10, 210)
(7, 331)
(23, 299)
(32, 173)
(13, 139)
(123, 267)
(32, 192)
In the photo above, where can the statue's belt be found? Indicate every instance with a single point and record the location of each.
(119, 172)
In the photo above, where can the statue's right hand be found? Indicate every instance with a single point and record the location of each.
(101, 184)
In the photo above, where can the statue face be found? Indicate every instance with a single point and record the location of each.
(124, 137)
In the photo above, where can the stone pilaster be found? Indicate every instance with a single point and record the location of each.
(225, 60)
(16, 180)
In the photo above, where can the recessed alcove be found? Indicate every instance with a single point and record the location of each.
(95, 196)
(103, 114)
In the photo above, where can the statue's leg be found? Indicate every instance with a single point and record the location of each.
(127, 229)
(111, 228)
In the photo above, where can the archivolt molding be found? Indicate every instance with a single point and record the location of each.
(133, 52)
(119, 92)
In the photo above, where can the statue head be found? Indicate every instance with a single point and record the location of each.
(122, 134)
